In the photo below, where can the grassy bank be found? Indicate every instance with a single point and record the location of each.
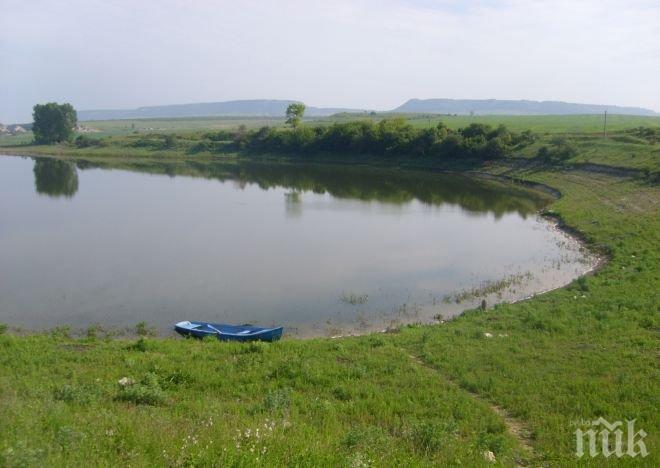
(313, 403)
(578, 353)
(515, 380)
(551, 124)
(395, 142)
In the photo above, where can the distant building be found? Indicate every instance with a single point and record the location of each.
(80, 128)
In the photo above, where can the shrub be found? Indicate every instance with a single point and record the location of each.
(200, 147)
(427, 437)
(492, 442)
(277, 400)
(364, 437)
(650, 134)
(342, 394)
(175, 378)
(583, 283)
(252, 347)
(155, 142)
(388, 137)
(61, 332)
(83, 141)
(559, 151)
(146, 392)
(376, 341)
(140, 345)
(93, 331)
(67, 436)
(72, 394)
(169, 142)
(523, 139)
(222, 135)
(142, 329)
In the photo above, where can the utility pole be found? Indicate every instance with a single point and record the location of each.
(605, 126)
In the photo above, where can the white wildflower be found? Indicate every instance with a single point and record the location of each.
(489, 456)
(125, 381)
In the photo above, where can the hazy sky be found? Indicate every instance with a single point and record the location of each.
(362, 53)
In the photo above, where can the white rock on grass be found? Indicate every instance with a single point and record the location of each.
(488, 335)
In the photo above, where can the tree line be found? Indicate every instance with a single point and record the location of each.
(388, 137)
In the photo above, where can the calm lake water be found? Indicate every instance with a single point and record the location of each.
(323, 250)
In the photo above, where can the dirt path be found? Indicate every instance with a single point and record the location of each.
(515, 427)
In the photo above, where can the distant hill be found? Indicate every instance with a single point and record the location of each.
(523, 107)
(277, 108)
(242, 108)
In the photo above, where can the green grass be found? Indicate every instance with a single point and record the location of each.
(573, 354)
(19, 139)
(312, 403)
(618, 150)
(517, 123)
(126, 127)
(547, 123)
(614, 152)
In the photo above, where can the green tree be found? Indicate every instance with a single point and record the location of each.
(53, 122)
(294, 114)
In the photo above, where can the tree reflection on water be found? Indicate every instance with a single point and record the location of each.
(55, 178)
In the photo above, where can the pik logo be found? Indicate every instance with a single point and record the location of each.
(607, 439)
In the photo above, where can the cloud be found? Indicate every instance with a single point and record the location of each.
(363, 53)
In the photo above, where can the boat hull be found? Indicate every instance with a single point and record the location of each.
(225, 332)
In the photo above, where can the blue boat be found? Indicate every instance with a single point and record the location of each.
(228, 332)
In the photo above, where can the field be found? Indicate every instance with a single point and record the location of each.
(125, 127)
(105, 128)
(549, 124)
(508, 385)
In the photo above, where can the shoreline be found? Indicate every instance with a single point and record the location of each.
(125, 333)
